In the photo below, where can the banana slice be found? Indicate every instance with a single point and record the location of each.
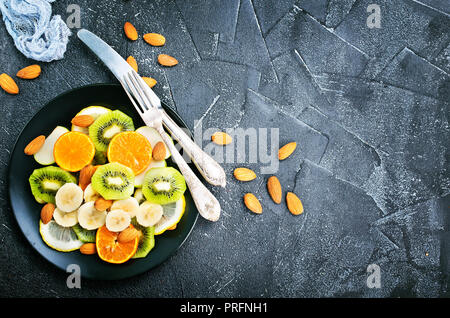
(66, 219)
(69, 197)
(139, 196)
(89, 217)
(149, 214)
(117, 220)
(129, 205)
(90, 194)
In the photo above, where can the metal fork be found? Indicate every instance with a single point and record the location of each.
(135, 87)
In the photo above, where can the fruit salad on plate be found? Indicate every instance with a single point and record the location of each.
(105, 186)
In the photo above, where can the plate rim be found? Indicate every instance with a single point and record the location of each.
(171, 113)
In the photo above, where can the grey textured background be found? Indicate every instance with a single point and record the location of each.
(367, 107)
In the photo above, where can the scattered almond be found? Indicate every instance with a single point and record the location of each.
(8, 84)
(130, 31)
(274, 188)
(149, 81)
(29, 72)
(159, 151)
(88, 249)
(47, 212)
(34, 145)
(102, 204)
(127, 235)
(244, 174)
(294, 204)
(286, 150)
(154, 39)
(83, 120)
(132, 61)
(221, 138)
(252, 203)
(85, 176)
(167, 60)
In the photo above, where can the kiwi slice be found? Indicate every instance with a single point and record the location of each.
(105, 127)
(146, 240)
(45, 182)
(99, 158)
(113, 181)
(163, 185)
(85, 236)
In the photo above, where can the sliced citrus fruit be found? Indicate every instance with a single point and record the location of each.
(73, 151)
(130, 149)
(60, 238)
(110, 250)
(172, 214)
(94, 111)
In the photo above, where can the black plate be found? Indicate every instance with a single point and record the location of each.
(60, 111)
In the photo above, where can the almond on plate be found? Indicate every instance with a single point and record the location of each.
(8, 84)
(167, 60)
(102, 204)
(252, 203)
(274, 188)
(85, 176)
(127, 235)
(47, 212)
(286, 150)
(221, 138)
(34, 145)
(83, 120)
(29, 72)
(130, 31)
(244, 174)
(149, 81)
(294, 204)
(154, 39)
(133, 63)
(159, 151)
(88, 249)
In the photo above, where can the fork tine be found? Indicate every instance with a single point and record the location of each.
(125, 88)
(138, 90)
(144, 88)
(135, 91)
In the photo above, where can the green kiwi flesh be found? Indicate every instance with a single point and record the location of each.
(105, 127)
(45, 182)
(113, 181)
(163, 185)
(85, 236)
(146, 241)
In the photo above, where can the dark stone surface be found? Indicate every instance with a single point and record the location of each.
(368, 109)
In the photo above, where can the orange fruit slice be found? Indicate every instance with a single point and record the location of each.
(110, 250)
(73, 151)
(130, 149)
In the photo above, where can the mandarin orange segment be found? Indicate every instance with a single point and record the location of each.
(110, 250)
(73, 150)
(130, 149)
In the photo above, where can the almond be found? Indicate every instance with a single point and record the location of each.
(34, 145)
(294, 204)
(221, 138)
(244, 174)
(159, 151)
(286, 150)
(132, 61)
(167, 60)
(83, 120)
(274, 188)
(102, 204)
(154, 39)
(127, 235)
(29, 72)
(47, 212)
(8, 84)
(85, 176)
(252, 203)
(130, 31)
(88, 249)
(149, 81)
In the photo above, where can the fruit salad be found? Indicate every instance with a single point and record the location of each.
(104, 190)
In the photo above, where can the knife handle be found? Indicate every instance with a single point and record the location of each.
(207, 166)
